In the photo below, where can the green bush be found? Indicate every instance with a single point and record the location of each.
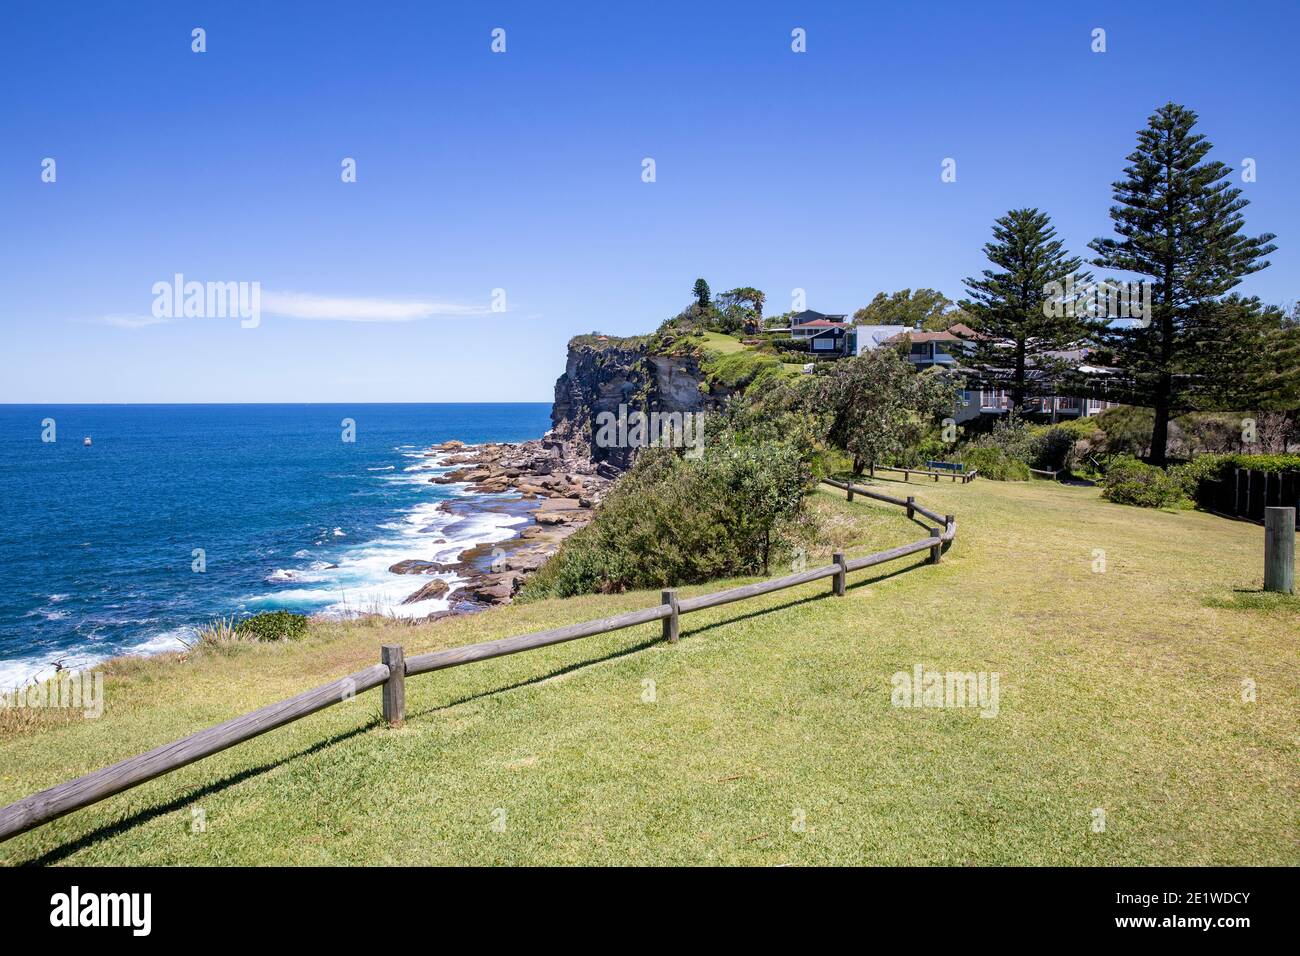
(1221, 466)
(1051, 448)
(1076, 428)
(738, 369)
(1131, 482)
(1002, 454)
(994, 463)
(273, 626)
(1127, 428)
(930, 448)
(674, 520)
(788, 344)
(1218, 467)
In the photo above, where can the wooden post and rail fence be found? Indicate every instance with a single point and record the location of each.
(394, 667)
(952, 470)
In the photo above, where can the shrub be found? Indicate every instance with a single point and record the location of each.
(675, 520)
(273, 626)
(1127, 428)
(1218, 467)
(1012, 436)
(788, 344)
(994, 463)
(1052, 448)
(1131, 482)
(930, 448)
(738, 369)
(1076, 428)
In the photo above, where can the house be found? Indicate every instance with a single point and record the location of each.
(868, 338)
(944, 349)
(808, 317)
(936, 348)
(825, 334)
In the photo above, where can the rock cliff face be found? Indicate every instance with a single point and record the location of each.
(601, 378)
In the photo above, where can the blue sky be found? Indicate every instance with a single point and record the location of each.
(522, 171)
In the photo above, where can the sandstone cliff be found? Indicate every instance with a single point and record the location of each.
(602, 373)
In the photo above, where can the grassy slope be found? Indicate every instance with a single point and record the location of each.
(1119, 690)
(723, 344)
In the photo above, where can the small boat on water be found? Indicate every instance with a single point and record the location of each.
(86, 440)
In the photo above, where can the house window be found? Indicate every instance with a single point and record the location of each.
(993, 398)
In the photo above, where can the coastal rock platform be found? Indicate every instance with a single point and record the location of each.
(545, 480)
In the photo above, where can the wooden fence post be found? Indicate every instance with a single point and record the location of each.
(936, 547)
(911, 507)
(672, 623)
(395, 686)
(841, 575)
(848, 485)
(1279, 550)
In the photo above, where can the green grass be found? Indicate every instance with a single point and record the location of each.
(722, 344)
(1120, 690)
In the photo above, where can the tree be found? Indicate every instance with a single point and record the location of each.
(1179, 223)
(1017, 334)
(745, 297)
(701, 293)
(761, 486)
(740, 308)
(880, 407)
(933, 310)
(1250, 358)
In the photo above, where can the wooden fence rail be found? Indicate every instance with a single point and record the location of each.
(964, 476)
(392, 672)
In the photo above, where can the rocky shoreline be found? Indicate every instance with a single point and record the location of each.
(546, 480)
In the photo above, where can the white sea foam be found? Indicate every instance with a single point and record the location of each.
(39, 667)
(361, 582)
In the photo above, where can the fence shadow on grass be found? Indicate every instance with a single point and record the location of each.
(141, 817)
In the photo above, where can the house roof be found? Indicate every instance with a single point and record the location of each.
(956, 333)
(822, 324)
(811, 315)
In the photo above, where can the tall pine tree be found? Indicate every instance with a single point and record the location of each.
(1020, 322)
(1179, 223)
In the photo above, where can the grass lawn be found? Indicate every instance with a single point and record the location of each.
(1120, 691)
(723, 344)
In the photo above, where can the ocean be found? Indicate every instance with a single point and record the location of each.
(176, 515)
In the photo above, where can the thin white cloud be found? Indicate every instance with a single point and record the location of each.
(125, 321)
(305, 305)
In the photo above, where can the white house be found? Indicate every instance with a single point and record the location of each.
(871, 337)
